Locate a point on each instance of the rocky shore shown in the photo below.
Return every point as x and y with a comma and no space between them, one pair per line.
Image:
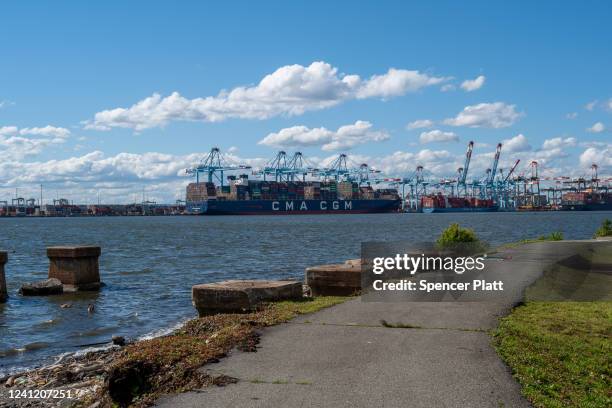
140,372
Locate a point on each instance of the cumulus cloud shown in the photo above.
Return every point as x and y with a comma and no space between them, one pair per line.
470,85
420,124
448,88
344,138
518,143
290,90
559,142
16,143
486,115
596,128
572,115
602,156
438,136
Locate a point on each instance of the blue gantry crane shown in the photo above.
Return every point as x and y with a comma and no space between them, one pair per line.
213,166
463,171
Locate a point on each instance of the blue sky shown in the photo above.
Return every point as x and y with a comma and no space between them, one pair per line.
68,65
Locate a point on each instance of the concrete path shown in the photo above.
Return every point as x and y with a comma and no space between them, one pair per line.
344,357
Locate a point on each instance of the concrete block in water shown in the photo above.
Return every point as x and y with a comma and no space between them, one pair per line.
3,291
75,266
235,296
42,288
334,280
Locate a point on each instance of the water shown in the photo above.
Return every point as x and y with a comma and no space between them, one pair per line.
150,263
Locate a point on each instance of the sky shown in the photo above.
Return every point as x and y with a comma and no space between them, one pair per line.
116,99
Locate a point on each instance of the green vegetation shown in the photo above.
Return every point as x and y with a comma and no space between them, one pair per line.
459,240
455,234
147,369
560,352
553,236
605,230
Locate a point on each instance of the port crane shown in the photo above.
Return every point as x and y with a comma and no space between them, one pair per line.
277,167
463,171
415,181
342,169
488,182
213,166
286,169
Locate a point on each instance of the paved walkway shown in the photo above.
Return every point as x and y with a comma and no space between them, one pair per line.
344,357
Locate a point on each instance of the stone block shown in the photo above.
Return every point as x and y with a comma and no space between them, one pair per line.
75,266
334,280
236,296
42,288
3,291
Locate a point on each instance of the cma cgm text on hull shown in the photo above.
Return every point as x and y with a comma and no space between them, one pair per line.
282,207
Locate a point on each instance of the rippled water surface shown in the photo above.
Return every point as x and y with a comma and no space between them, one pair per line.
150,263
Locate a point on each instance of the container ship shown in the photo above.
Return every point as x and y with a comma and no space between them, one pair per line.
440,203
586,201
253,197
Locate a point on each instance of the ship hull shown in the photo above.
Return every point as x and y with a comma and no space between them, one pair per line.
587,207
430,210
285,207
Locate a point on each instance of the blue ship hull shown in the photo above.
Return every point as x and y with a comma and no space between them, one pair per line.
283,207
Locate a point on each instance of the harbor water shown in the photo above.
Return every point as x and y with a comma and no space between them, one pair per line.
150,263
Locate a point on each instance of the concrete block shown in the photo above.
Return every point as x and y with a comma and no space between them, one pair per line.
3,291
75,266
235,296
42,288
334,280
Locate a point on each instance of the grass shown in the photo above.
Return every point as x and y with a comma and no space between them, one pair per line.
553,236
147,369
560,352
605,230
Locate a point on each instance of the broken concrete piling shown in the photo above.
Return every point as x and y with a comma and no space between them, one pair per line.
45,287
236,296
3,291
75,266
335,280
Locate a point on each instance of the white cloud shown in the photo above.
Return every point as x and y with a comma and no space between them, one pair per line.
439,136
591,105
609,105
470,85
518,143
487,115
448,88
420,124
395,82
602,156
49,131
16,144
558,142
402,163
290,90
572,115
344,138
596,128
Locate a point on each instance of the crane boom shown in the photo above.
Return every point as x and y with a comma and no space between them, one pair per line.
495,163
466,166
512,170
